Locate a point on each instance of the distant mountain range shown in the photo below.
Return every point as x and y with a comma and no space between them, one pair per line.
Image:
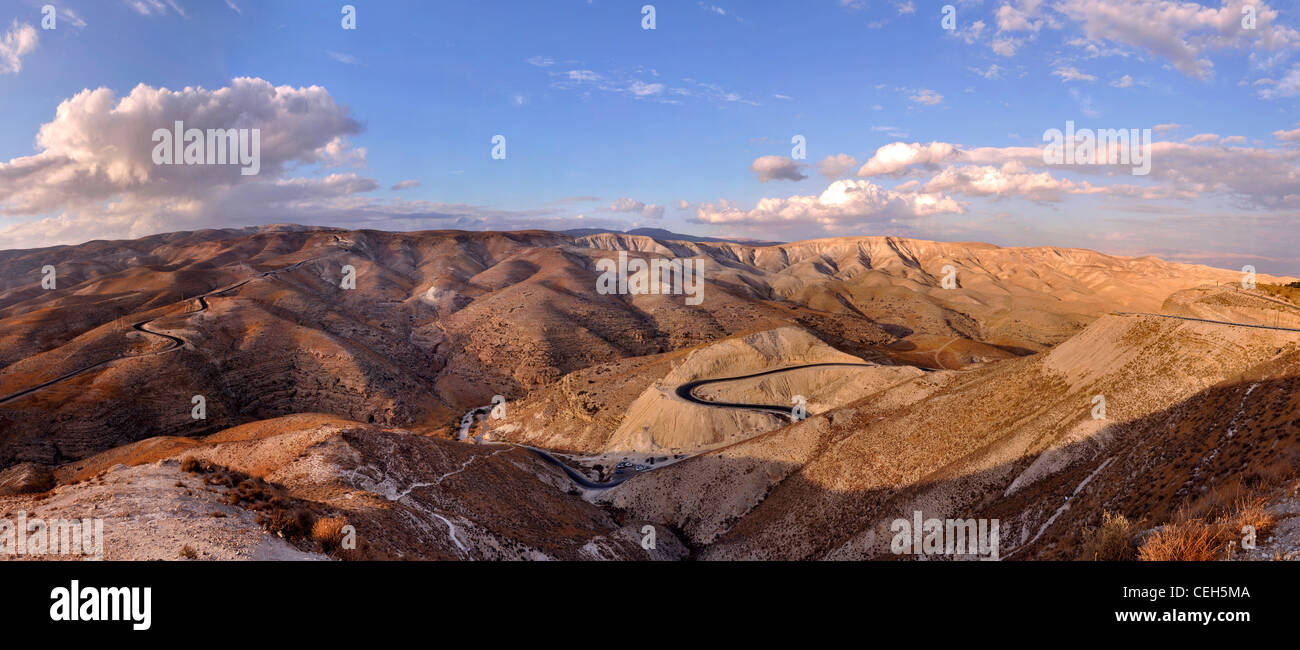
661,234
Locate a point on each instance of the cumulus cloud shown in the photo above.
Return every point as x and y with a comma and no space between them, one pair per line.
898,157
1254,177
93,174
19,41
1123,82
647,210
100,146
1010,180
834,166
844,205
775,168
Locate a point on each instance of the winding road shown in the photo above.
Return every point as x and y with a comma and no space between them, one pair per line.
687,392
1206,320
174,342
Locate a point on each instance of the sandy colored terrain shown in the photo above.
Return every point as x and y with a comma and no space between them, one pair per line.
971,401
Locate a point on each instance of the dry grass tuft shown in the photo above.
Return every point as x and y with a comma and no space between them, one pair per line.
329,532
1114,541
1189,540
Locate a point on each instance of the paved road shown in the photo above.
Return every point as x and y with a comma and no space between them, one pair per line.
1206,320
578,477
687,392
174,342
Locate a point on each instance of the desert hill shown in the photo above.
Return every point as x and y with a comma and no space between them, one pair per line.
965,399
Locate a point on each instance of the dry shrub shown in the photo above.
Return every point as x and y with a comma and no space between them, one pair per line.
1187,540
1248,512
329,532
1114,541
188,552
286,523
1198,539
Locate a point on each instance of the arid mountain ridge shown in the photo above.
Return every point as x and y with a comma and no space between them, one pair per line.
970,399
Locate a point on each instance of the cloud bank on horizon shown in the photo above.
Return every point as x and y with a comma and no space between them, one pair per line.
906,120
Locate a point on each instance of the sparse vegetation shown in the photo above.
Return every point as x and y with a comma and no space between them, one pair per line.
328,531
1115,540
1190,540
189,553
1289,292
277,512
1202,539
290,524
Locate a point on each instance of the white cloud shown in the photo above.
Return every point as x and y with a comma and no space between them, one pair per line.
925,96
1011,179
1071,73
19,41
645,90
1251,176
405,185
93,173
1288,86
1019,19
776,168
1181,32
896,158
156,7
647,210
1005,46
1288,136
834,166
342,58
1123,82
844,205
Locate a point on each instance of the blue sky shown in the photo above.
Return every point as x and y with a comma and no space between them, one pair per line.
611,125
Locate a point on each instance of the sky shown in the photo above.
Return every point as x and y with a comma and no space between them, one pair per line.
769,120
